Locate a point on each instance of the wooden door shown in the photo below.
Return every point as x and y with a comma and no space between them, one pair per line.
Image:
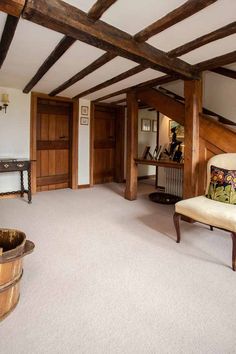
108,144
53,145
104,145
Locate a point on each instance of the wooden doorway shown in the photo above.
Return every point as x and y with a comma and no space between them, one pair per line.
54,143
107,144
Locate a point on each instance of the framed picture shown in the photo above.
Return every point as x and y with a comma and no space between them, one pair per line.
154,125
179,129
146,125
84,120
84,110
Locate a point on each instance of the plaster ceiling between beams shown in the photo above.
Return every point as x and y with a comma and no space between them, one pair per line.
32,44
215,16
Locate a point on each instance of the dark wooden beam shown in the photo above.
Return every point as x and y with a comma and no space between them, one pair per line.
99,8
193,108
119,101
225,72
7,36
60,49
105,58
62,17
146,84
132,147
203,40
12,7
122,76
186,10
163,103
213,63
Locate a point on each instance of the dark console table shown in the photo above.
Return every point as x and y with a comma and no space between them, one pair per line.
18,165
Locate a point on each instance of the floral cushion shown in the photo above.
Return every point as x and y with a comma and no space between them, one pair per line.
222,186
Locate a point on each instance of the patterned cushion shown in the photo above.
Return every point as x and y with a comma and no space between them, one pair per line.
222,186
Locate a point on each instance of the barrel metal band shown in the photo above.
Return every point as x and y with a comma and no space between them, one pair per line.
7,286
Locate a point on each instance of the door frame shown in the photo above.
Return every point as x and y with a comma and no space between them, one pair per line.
120,117
33,138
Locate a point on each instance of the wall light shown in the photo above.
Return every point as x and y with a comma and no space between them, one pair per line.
5,101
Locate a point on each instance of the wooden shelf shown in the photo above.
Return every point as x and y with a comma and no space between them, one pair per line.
160,163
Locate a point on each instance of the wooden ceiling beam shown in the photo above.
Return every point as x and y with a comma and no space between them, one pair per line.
62,17
215,35
182,12
119,101
98,9
105,58
214,63
122,76
146,84
12,7
203,40
94,14
225,72
7,36
60,49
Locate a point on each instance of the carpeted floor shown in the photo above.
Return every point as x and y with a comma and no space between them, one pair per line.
107,277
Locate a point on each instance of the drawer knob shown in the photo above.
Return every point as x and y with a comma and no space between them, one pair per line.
6,165
20,165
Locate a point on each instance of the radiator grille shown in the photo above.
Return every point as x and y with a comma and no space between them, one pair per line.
174,181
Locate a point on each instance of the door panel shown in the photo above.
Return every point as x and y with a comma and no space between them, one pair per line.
53,145
104,146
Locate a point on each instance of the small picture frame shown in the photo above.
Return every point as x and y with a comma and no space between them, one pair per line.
154,126
84,110
179,129
84,120
146,125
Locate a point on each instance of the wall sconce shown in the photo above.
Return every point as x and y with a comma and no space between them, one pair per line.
5,101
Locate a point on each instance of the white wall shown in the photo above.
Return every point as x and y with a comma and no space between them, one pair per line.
146,138
14,134
218,93
84,146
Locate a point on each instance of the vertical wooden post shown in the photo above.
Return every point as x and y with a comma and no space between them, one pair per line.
132,147
193,107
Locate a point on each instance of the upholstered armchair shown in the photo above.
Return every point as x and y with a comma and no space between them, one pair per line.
217,213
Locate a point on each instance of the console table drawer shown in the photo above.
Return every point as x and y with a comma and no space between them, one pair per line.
14,166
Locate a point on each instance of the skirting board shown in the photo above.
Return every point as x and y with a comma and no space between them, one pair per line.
82,186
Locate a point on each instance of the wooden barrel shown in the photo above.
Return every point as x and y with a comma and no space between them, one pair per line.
13,247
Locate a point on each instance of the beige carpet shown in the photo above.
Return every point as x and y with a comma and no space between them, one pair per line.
107,277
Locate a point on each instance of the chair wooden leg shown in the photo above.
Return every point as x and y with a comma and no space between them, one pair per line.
211,228
234,251
176,219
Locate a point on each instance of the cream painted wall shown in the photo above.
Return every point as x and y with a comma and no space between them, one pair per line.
84,146
218,93
146,138
14,134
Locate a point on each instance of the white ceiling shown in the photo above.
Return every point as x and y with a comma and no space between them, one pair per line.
32,44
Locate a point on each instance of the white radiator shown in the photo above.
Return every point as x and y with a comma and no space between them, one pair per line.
174,181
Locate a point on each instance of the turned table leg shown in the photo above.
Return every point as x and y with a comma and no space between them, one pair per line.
176,219
22,188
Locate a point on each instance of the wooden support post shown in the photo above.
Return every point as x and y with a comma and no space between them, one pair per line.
193,108
132,147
